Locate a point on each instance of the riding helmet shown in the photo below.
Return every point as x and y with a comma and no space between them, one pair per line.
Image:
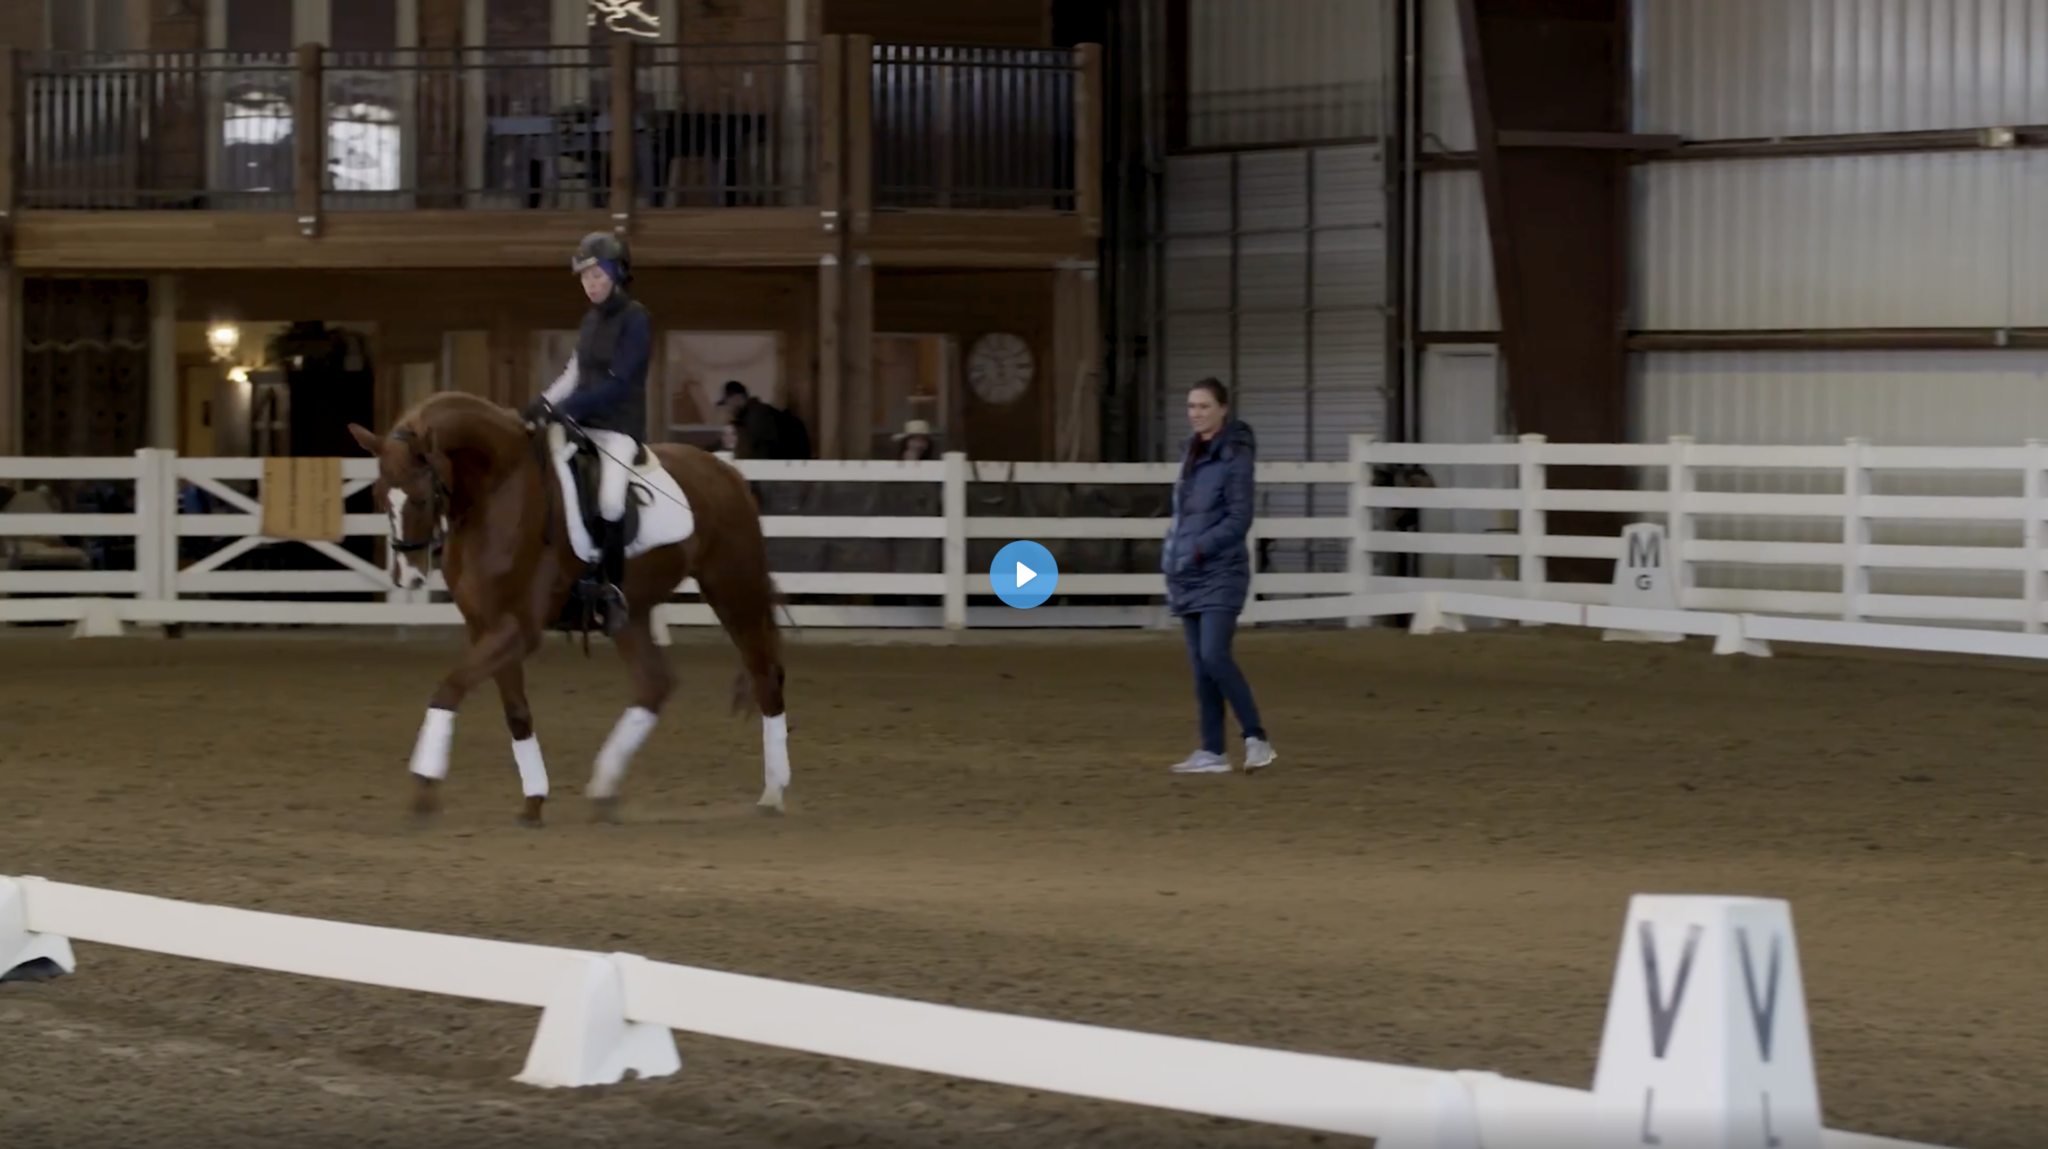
602,247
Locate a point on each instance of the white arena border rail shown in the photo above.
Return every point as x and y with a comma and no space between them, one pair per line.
1505,512
1694,1060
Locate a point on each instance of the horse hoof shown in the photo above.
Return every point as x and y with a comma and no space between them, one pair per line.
426,797
530,817
769,807
605,810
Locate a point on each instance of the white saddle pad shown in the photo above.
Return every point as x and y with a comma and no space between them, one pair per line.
665,515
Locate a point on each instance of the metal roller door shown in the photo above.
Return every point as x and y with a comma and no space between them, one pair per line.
1275,282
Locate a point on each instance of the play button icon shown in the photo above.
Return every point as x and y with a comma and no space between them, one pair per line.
1024,574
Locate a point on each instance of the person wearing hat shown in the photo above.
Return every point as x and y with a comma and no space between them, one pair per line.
604,388
914,441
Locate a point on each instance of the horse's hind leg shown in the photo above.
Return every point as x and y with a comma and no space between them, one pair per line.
651,686
765,676
533,770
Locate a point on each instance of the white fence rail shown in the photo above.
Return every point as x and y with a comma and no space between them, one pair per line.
605,1016
1853,532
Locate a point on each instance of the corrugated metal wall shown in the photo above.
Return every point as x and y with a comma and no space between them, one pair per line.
1733,69
1955,239
1274,258
1914,240
1456,253
1275,278
1291,71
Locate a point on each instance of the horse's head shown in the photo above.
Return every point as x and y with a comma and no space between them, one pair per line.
415,484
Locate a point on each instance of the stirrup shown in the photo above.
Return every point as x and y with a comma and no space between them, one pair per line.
612,602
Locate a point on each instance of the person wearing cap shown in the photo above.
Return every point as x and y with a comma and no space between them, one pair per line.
764,431
604,388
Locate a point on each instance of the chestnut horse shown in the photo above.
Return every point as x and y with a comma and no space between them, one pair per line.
469,485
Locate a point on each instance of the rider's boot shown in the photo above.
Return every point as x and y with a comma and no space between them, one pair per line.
610,592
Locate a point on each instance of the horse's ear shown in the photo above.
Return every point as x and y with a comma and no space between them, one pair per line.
367,438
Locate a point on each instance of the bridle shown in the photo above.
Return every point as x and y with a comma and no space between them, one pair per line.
438,497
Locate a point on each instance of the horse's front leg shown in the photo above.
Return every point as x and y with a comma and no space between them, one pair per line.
490,650
651,685
533,770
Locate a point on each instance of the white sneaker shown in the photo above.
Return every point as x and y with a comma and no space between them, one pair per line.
1203,762
1258,754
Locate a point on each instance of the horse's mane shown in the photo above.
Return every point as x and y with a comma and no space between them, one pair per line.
422,416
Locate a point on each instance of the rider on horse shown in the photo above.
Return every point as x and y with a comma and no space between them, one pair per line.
604,387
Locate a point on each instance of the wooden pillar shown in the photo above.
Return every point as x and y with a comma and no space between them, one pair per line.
826,434
10,360
1076,371
10,278
309,137
165,408
831,181
857,344
623,136
1088,138
860,131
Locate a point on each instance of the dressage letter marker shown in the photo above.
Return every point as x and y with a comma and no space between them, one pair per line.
1643,581
1024,574
1706,1044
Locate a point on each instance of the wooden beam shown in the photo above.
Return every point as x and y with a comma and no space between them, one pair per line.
72,241
1588,141
831,159
860,132
1088,139
623,135
163,408
10,360
309,137
11,107
826,435
1075,374
857,344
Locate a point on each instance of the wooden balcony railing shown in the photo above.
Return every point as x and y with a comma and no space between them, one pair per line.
712,125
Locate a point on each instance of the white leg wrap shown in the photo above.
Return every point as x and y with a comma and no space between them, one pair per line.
430,753
533,770
775,751
632,729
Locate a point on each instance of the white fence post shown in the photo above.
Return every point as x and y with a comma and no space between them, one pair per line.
149,525
1855,530
1531,523
2030,531
1359,562
1678,516
953,499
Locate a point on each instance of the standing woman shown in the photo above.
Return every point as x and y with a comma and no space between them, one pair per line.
1209,572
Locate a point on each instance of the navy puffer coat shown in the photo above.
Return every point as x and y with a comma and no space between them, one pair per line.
1208,567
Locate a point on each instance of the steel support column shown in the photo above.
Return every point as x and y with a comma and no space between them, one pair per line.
1549,83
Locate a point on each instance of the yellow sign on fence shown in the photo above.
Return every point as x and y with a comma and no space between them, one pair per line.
302,500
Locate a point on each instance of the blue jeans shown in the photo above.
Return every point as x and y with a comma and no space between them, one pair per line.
1217,677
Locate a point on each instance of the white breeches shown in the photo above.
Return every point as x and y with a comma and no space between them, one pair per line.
611,490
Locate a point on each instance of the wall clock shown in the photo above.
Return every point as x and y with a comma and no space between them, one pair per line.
999,368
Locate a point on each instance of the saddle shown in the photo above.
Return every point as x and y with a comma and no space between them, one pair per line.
586,468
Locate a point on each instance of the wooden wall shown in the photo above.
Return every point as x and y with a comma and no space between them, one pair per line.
1017,23
967,305
21,24
414,312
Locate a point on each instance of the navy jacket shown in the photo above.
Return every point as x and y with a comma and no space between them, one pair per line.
612,352
1208,567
